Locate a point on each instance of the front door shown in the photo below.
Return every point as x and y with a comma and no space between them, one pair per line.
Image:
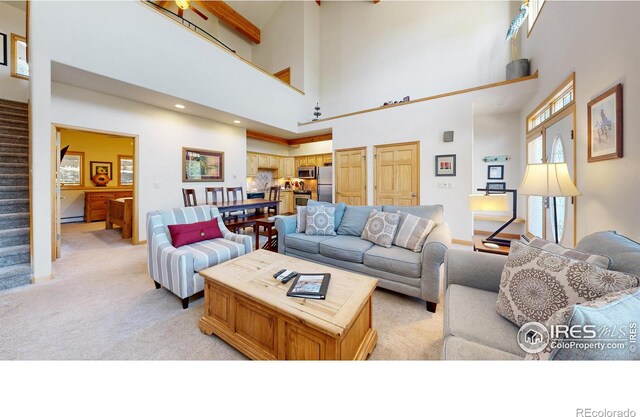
560,147
397,174
351,176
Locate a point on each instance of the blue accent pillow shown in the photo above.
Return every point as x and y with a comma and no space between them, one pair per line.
340,208
354,220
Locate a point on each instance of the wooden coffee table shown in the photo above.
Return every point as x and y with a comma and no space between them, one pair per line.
249,309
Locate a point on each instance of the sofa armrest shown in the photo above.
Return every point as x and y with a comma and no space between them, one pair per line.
246,240
433,254
171,267
285,225
474,269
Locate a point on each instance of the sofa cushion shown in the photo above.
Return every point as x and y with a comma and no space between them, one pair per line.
618,310
346,248
459,349
213,252
624,252
301,219
597,260
433,212
536,283
381,228
471,314
305,243
355,217
395,260
340,208
320,221
184,234
413,231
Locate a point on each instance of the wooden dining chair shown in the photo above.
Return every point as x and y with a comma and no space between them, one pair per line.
214,191
189,197
236,194
274,195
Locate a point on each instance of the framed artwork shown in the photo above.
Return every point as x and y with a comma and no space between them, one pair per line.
495,172
496,186
604,119
99,167
445,165
3,49
201,165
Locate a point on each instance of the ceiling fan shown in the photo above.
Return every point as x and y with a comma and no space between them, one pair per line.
184,5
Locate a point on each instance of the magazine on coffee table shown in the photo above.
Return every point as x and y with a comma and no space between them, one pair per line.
311,285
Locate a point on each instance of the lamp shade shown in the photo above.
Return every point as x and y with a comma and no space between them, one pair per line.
548,180
488,202
183,4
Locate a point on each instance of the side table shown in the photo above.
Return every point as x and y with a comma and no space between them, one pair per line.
478,246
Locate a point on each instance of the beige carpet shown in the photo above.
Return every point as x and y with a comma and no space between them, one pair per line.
103,305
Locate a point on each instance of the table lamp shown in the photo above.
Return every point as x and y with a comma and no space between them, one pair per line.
549,180
494,201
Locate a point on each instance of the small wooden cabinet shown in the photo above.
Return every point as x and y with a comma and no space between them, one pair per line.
286,202
95,202
252,165
264,161
274,162
289,169
327,159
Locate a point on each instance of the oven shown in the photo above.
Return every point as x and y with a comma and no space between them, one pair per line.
307,172
300,198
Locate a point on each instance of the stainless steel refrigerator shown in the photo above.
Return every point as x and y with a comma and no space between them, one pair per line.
325,184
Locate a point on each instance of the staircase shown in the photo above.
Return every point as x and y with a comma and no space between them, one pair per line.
15,258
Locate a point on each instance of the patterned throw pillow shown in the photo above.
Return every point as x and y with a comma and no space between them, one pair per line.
412,231
536,283
320,221
301,219
612,315
597,260
381,228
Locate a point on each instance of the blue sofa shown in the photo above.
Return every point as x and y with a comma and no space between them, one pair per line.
397,269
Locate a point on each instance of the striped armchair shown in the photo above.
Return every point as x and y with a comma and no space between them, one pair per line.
178,269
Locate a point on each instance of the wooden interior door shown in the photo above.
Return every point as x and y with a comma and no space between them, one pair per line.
351,176
397,174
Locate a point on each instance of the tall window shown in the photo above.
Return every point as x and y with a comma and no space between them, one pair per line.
534,10
125,169
19,65
71,170
535,204
557,155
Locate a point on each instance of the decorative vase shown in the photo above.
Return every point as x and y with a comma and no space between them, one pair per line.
100,180
517,69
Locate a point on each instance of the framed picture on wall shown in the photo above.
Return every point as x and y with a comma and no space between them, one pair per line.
495,172
445,165
100,167
3,49
496,186
201,165
604,120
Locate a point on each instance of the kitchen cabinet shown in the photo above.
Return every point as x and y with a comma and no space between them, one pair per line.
264,161
252,165
286,202
319,161
288,167
327,159
274,162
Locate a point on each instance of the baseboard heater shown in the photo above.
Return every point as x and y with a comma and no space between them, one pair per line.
76,219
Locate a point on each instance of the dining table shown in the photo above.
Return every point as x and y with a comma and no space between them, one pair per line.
257,204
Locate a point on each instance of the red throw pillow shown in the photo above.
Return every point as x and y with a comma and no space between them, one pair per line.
183,234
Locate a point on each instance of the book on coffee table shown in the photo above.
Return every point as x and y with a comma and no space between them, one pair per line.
310,286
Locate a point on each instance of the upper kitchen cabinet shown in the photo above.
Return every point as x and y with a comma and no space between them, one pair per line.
288,167
252,165
274,162
264,161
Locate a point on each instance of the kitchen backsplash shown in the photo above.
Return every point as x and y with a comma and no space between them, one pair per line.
263,181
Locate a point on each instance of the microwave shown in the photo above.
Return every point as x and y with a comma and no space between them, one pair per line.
307,172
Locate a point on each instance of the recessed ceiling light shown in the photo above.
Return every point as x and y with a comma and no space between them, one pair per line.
179,106
236,122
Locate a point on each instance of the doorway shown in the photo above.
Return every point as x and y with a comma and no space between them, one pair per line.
397,174
351,176
94,183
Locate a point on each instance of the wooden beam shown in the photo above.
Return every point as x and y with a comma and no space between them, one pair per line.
229,16
162,3
267,138
311,139
376,1
318,2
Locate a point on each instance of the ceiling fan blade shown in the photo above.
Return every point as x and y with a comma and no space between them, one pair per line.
180,12
198,12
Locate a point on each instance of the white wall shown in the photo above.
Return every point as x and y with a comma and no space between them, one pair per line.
161,136
371,54
254,145
598,43
496,135
12,20
313,148
282,42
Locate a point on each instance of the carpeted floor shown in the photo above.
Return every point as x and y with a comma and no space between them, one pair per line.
103,305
